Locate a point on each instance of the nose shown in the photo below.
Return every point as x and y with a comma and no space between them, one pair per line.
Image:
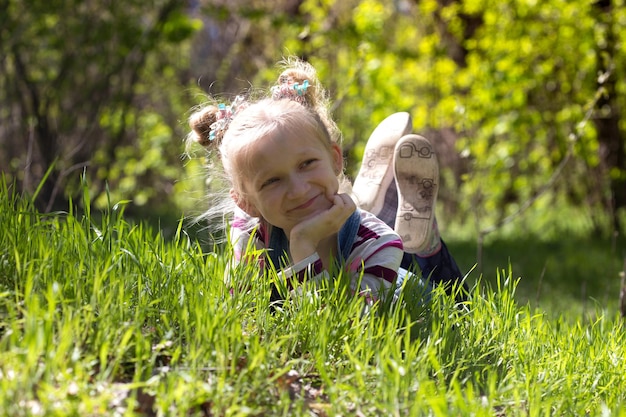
298,186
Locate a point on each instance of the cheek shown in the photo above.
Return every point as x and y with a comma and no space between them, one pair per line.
265,200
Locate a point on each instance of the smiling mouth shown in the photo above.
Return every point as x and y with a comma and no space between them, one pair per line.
305,205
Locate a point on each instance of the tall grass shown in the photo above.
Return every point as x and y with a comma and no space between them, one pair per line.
100,317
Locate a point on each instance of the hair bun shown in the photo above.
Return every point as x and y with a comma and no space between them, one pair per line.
200,123
298,81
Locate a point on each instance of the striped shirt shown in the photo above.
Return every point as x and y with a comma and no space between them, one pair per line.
373,258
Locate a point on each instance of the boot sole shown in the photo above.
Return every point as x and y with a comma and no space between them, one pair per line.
417,179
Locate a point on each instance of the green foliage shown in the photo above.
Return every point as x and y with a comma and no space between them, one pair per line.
101,317
136,165
86,83
507,89
180,27
514,81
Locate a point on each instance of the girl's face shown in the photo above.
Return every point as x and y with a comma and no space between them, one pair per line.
287,178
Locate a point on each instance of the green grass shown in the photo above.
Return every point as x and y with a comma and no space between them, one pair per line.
99,317
568,260
573,277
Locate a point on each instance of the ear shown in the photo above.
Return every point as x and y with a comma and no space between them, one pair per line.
244,204
337,157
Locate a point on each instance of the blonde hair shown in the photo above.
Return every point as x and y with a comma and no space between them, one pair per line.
296,102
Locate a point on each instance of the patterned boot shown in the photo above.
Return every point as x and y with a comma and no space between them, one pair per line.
375,175
417,180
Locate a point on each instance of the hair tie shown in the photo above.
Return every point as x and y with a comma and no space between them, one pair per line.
225,115
291,91
301,89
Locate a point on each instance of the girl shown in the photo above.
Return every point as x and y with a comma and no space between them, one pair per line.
282,159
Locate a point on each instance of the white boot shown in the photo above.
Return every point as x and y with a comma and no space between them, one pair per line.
375,174
417,179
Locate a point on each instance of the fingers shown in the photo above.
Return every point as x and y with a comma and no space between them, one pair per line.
342,200
342,208
310,232
345,203
331,220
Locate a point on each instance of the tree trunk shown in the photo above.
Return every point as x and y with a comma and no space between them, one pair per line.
607,116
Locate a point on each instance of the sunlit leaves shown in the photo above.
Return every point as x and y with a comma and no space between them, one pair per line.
369,18
517,72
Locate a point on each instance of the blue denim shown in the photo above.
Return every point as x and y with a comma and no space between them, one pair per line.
439,268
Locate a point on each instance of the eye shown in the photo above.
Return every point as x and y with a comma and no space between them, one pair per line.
268,182
308,163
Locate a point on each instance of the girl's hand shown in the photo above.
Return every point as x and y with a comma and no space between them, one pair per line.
305,238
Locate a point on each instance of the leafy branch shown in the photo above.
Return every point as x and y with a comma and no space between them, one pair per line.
574,137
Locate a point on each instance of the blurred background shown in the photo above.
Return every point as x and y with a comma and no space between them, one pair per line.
524,100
